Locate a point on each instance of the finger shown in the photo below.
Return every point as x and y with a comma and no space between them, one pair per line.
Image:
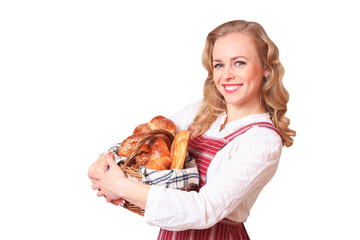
95,186
109,155
110,160
93,180
100,194
94,175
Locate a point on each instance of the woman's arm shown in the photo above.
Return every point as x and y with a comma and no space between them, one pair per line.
254,164
135,193
186,116
100,166
113,184
239,182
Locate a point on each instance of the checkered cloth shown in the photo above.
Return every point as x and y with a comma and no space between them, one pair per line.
175,178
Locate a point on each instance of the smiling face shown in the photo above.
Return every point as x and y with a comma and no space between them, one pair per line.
238,73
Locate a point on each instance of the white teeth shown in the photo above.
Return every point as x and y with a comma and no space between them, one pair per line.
231,88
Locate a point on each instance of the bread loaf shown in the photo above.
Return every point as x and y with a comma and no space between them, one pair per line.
142,128
158,122
155,153
129,143
160,163
142,159
179,149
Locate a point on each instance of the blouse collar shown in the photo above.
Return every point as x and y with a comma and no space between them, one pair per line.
233,125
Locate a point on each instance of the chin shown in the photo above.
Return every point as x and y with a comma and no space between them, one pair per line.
232,101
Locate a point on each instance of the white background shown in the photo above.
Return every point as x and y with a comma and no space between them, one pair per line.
78,75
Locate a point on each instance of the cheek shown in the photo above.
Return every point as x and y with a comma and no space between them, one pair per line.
215,75
216,78
252,74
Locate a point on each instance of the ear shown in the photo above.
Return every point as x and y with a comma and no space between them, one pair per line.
266,72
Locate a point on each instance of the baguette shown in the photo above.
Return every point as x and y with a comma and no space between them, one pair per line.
179,149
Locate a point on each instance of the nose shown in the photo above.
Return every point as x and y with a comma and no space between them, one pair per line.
229,73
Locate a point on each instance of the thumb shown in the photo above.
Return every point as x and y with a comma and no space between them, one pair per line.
110,159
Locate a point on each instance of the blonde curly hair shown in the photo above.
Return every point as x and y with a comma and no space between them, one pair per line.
274,96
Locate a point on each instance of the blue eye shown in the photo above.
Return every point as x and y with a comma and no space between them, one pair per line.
239,63
218,65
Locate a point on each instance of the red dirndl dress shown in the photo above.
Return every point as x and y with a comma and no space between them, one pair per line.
204,149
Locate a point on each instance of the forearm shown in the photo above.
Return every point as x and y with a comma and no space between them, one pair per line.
134,192
178,210
236,184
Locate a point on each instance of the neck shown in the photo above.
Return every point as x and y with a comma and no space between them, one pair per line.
235,112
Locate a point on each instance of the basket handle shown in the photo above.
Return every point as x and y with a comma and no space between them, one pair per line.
150,135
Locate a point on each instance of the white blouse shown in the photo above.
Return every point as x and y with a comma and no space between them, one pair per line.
235,177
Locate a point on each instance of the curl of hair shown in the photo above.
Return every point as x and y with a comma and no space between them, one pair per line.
274,96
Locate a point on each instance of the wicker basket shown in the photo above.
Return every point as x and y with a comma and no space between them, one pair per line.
129,167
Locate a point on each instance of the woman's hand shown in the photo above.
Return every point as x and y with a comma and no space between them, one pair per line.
107,182
99,166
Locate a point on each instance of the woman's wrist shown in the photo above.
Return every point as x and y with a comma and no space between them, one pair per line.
123,189
134,192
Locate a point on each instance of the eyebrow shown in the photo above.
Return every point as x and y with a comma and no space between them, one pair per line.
232,59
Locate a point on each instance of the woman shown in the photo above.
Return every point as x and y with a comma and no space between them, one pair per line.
239,127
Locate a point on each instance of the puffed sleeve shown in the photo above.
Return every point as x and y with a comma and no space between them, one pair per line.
186,116
253,163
